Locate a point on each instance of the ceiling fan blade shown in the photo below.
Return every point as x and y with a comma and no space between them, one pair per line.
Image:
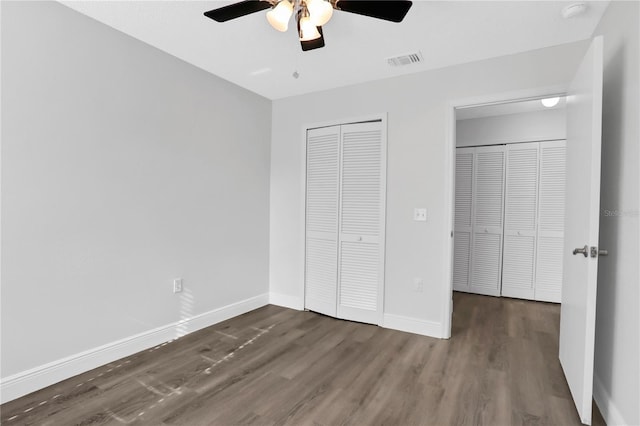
313,44
389,10
236,10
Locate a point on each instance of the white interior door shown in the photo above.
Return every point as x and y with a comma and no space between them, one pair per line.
578,309
551,197
520,221
463,218
362,222
486,258
321,248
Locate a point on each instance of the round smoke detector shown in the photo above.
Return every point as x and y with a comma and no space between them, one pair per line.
573,10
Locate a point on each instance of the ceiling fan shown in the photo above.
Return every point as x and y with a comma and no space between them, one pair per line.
311,15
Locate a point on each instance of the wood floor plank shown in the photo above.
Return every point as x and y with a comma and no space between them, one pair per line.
276,366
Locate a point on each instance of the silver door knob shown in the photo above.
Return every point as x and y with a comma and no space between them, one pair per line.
584,250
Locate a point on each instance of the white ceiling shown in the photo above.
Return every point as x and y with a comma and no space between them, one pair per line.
249,53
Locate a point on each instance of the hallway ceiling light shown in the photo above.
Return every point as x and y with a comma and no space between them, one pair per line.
550,102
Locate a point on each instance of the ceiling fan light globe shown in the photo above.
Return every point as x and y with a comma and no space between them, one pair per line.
308,30
279,16
320,11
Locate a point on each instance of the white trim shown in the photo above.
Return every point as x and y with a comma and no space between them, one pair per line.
340,121
610,413
449,214
303,215
510,96
28,381
286,301
382,238
413,325
450,147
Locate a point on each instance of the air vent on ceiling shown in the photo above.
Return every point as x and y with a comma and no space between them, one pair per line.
408,59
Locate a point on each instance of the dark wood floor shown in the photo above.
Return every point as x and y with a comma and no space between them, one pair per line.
279,366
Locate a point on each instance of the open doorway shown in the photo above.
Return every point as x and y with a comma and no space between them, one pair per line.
509,199
581,252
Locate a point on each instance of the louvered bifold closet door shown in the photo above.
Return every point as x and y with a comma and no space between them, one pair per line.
487,220
321,251
463,218
361,237
520,221
551,221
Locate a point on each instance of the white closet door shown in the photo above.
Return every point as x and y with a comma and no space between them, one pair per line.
361,236
488,220
463,218
520,221
551,221
321,255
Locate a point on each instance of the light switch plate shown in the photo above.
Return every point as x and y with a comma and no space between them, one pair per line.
420,215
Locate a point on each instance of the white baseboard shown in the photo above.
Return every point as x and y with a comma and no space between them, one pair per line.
28,381
607,408
413,325
395,322
287,301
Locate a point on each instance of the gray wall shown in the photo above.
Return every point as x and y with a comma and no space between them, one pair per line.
617,357
122,168
512,128
417,167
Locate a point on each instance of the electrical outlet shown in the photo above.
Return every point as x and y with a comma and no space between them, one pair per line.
418,284
177,285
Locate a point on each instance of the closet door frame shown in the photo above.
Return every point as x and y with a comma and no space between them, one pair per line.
382,118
